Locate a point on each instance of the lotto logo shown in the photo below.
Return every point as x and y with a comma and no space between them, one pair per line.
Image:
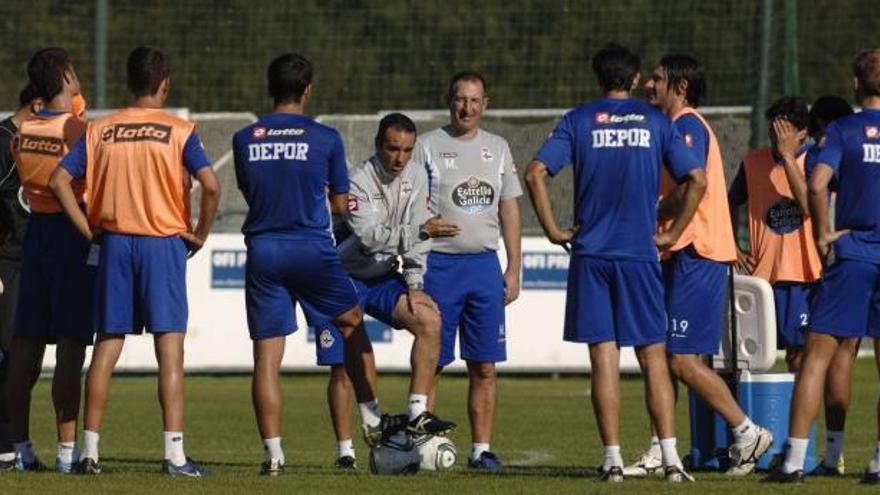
602,118
259,132
43,145
871,132
146,131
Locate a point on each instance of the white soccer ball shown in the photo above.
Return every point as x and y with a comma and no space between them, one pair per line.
437,453
396,456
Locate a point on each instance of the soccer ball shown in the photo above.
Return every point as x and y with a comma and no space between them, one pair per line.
396,456
437,453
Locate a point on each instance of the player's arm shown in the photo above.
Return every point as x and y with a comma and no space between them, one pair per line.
696,139
536,183
373,231
556,153
198,165
511,226
829,159
241,163
414,248
788,143
73,166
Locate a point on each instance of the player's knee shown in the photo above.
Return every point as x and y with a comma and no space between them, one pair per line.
679,364
338,376
429,322
348,321
481,371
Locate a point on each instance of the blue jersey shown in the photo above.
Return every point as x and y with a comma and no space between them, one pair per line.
695,136
284,165
851,147
617,148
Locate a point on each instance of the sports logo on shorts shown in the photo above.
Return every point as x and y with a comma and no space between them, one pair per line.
473,195
871,132
146,131
259,132
784,216
43,145
326,339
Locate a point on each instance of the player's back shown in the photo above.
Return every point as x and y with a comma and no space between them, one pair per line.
136,178
618,148
285,164
852,146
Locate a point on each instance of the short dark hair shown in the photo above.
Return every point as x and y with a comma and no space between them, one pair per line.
46,71
790,108
616,67
465,75
289,75
27,95
866,68
825,110
394,120
686,68
147,68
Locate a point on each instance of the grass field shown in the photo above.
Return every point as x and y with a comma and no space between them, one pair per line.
545,433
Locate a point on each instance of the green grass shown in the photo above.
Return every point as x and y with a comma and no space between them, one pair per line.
545,433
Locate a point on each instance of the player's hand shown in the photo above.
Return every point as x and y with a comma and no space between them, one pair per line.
666,239
511,286
824,242
563,237
415,297
437,227
788,138
193,243
744,262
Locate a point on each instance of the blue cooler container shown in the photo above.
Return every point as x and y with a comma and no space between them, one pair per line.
764,397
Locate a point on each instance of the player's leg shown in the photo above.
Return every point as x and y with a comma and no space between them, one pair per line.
791,304
105,354
440,283
340,400
605,397
389,301
838,394
66,396
26,359
9,275
271,318
115,317
160,284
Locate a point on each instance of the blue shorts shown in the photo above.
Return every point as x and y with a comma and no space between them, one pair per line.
696,290
614,301
56,285
792,300
282,270
845,304
141,283
377,296
469,289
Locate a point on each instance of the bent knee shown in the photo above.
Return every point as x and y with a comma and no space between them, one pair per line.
349,320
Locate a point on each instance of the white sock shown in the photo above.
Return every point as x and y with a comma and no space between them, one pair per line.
90,445
174,448
745,432
833,448
874,465
669,453
345,448
654,448
272,449
797,453
370,414
477,450
612,457
25,450
418,404
64,452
